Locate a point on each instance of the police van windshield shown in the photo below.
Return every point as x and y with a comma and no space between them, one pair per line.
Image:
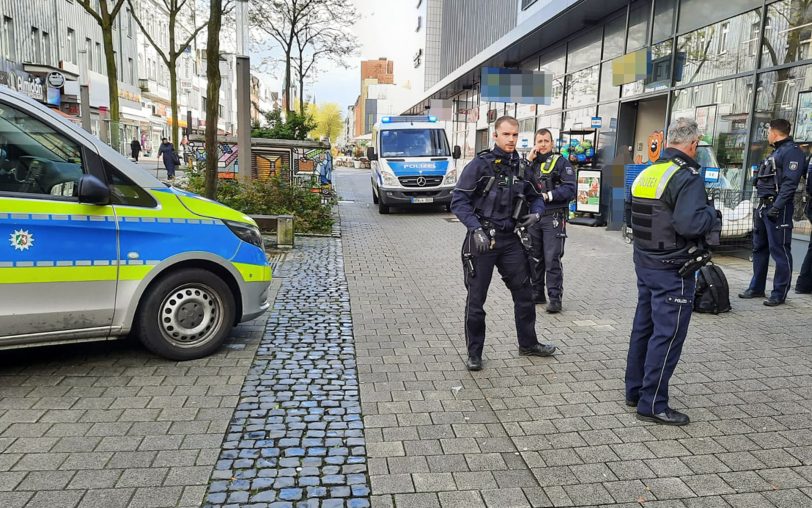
414,143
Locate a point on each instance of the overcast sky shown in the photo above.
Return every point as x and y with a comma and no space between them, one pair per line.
385,29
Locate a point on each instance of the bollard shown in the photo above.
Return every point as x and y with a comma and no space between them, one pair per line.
284,231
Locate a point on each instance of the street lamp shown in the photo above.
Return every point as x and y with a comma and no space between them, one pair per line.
242,27
243,68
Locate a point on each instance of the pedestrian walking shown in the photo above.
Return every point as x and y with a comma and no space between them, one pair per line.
170,158
488,200
776,182
555,182
670,218
135,148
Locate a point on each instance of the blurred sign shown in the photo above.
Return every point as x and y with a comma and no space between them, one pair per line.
711,175
631,67
515,85
596,122
55,79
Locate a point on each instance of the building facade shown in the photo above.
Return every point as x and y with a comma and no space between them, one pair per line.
59,36
731,65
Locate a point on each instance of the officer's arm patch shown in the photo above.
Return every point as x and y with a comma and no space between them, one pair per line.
569,170
793,166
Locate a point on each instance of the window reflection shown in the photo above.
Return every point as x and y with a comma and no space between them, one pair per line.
582,87
787,33
718,50
585,50
614,39
637,36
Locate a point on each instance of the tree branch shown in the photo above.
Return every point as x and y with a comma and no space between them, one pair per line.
86,5
146,33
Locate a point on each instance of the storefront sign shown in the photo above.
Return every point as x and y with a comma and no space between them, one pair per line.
130,96
54,96
55,80
28,86
596,122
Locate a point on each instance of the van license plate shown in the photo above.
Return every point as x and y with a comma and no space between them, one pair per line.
422,200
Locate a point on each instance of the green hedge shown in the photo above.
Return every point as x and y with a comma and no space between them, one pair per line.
274,196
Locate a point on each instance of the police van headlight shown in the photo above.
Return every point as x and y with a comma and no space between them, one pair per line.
450,177
245,232
389,179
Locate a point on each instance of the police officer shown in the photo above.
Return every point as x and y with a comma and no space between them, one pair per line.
670,218
803,284
555,181
487,198
776,181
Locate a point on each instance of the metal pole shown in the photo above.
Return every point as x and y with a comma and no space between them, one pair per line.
244,118
84,104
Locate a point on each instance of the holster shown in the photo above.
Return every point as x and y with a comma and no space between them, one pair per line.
699,258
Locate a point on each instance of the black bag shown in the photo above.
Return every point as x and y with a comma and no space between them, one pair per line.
175,158
712,292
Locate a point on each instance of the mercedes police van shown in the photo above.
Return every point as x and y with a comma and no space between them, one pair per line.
92,247
411,163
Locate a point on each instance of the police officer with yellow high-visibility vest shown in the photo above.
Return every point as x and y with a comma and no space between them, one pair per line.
670,218
555,181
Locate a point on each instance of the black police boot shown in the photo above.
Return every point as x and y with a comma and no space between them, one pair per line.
803,291
537,350
474,363
773,302
747,295
667,417
538,297
554,307
632,402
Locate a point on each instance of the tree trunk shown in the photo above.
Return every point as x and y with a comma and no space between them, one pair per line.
112,86
287,82
173,98
301,95
213,95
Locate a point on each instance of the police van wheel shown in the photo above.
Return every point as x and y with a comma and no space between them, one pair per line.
186,315
382,208
374,197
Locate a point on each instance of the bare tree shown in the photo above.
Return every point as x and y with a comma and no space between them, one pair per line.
322,20
319,40
218,9
179,42
105,16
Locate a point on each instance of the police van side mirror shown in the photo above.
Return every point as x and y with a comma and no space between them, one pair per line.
93,191
456,153
371,155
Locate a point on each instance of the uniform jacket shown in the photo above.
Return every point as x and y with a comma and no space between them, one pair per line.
692,216
564,177
467,203
788,161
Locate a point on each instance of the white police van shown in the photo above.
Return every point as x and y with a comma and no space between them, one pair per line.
411,162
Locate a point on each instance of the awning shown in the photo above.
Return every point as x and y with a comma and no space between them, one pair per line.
181,122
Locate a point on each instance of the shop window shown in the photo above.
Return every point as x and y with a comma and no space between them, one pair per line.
582,87
607,90
607,133
579,118
787,33
552,122
721,109
697,13
659,76
614,39
637,34
664,17
585,50
717,50
554,63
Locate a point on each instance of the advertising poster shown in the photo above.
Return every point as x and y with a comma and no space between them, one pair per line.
803,124
588,198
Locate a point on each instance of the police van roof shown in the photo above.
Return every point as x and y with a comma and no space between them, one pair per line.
408,121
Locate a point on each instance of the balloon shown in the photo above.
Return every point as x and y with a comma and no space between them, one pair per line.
579,149
581,157
589,152
574,142
586,143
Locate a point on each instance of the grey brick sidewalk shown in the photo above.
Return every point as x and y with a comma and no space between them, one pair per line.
555,431
108,424
297,435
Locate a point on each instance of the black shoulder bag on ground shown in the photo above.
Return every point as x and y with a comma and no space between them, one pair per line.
712,292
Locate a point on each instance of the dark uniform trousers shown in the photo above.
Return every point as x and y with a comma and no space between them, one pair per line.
772,238
547,237
664,306
804,282
509,258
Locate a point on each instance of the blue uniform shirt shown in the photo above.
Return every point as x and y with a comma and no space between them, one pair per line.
465,197
788,162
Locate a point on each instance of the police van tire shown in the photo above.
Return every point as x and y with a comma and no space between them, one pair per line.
187,315
374,197
382,208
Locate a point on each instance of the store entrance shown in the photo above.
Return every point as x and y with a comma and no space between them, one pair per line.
639,123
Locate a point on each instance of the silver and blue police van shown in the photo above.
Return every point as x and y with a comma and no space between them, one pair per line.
411,163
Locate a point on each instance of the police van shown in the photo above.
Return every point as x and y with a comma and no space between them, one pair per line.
411,163
92,247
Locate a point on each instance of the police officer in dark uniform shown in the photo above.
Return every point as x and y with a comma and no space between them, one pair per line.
555,181
803,284
670,218
776,181
488,200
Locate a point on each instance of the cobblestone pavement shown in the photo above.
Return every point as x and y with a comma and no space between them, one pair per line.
297,435
108,424
555,431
